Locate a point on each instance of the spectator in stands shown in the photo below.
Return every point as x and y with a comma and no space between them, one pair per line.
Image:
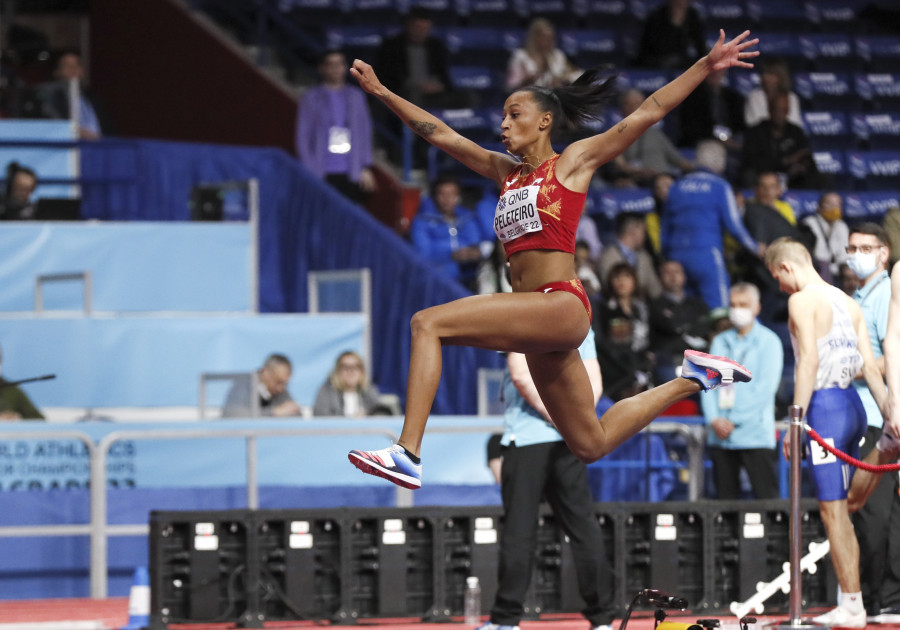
701,205
540,62
847,280
774,79
780,146
891,224
57,105
588,233
347,392
678,321
334,130
631,234
741,421
21,183
274,399
868,255
713,110
15,403
624,340
586,271
660,186
415,63
767,218
651,154
537,464
673,36
831,234
447,235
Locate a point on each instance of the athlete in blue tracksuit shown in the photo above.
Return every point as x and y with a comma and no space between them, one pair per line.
700,206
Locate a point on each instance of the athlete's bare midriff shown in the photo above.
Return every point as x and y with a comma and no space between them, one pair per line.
534,268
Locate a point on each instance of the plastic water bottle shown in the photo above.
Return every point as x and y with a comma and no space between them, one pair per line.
472,601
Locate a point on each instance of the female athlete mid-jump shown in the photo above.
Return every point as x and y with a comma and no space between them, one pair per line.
548,314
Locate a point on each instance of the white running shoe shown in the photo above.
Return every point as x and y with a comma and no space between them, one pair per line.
492,626
391,463
842,618
710,371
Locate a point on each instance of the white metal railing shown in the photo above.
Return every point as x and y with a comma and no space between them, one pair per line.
100,530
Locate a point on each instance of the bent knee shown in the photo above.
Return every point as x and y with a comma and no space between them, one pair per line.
590,451
422,323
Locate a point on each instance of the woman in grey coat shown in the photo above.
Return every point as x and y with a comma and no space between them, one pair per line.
347,391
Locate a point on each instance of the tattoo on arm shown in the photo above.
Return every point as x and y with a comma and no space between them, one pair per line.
655,101
622,127
422,128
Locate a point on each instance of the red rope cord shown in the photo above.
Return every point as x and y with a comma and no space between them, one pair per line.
850,460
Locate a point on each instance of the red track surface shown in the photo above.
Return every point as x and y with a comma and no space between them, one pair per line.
113,613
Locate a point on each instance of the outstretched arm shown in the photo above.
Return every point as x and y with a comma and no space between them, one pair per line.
578,162
490,164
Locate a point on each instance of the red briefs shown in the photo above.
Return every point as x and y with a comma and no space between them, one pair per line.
569,286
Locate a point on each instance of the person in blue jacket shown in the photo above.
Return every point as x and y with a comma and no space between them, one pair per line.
447,235
701,205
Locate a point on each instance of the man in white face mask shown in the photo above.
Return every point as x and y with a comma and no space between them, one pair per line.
741,422
867,256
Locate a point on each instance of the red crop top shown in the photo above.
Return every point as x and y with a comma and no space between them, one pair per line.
535,211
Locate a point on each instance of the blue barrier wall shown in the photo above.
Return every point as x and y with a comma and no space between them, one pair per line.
48,163
157,361
304,226
135,266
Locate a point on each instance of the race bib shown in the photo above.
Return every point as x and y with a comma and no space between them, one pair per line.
338,140
517,213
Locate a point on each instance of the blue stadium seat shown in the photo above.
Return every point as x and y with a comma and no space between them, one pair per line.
777,44
374,12
730,15
778,15
834,164
870,206
443,12
355,41
316,12
879,91
875,170
587,48
480,125
827,130
832,16
611,201
559,12
804,202
497,13
647,81
881,54
614,14
478,45
825,90
878,131
476,78
831,52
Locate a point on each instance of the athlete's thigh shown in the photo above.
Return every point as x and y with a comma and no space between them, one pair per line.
565,389
833,416
510,322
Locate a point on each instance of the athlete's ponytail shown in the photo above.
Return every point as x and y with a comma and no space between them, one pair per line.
577,103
